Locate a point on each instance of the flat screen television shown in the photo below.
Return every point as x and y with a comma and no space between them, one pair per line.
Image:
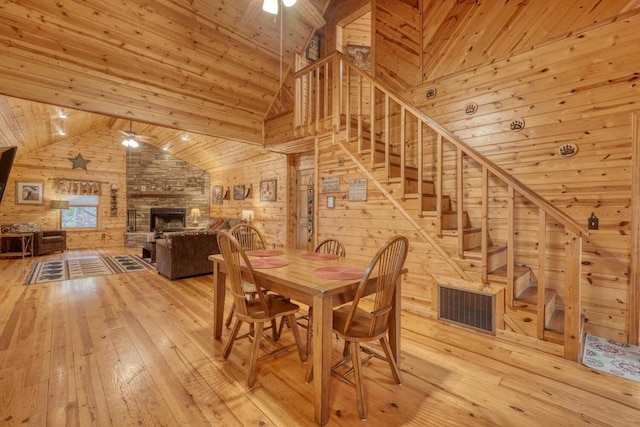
7,154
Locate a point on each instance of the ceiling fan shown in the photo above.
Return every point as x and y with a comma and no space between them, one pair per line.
132,138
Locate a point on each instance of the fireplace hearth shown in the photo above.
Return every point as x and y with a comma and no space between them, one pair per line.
167,219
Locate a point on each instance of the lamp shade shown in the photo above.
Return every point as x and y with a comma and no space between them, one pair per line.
195,214
59,204
270,6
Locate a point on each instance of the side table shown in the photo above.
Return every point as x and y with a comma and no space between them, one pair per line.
149,250
26,245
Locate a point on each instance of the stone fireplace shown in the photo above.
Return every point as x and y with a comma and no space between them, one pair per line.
157,181
167,219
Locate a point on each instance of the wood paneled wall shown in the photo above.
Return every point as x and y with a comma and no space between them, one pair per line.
248,165
364,226
579,89
107,164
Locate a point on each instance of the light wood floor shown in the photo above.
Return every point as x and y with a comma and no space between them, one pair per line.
136,349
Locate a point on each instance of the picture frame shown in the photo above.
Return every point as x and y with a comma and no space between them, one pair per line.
217,194
238,192
313,49
269,190
360,56
29,193
331,202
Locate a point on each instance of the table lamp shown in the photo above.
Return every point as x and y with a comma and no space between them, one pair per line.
195,214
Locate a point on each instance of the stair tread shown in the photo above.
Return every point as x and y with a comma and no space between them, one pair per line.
530,295
518,270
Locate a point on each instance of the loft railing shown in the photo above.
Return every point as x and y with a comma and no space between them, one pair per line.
333,95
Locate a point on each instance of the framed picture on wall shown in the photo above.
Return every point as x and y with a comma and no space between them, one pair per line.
360,56
268,190
238,192
29,193
216,194
313,50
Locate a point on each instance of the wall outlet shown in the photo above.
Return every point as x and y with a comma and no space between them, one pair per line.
104,235
593,222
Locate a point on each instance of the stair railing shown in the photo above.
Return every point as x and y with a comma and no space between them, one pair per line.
324,92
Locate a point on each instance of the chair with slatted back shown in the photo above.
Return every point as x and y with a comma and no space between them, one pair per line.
250,239
357,325
328,246
255,309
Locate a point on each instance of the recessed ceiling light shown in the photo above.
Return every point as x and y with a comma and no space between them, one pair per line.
184,137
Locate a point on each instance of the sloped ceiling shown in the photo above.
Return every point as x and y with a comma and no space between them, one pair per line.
208,68
203,66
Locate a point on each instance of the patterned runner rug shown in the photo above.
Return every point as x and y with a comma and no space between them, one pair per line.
622,360
51,271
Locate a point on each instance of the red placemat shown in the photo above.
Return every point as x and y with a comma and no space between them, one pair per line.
319,256
269,262
265,252
339,273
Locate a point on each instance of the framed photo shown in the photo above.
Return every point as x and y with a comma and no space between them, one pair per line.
268,190
331,202
360,56
313,50
216,194
29,193
238,192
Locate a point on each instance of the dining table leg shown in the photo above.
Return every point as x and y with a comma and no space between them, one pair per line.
219,289
322,329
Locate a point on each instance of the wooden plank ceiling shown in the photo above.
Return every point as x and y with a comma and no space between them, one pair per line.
210,68
202,66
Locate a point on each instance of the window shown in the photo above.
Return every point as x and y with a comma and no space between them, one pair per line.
82,212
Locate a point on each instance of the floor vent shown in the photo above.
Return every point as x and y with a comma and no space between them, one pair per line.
467,307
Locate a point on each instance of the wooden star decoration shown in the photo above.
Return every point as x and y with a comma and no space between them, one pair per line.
79,162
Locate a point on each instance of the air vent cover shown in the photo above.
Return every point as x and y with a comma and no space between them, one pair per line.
467,307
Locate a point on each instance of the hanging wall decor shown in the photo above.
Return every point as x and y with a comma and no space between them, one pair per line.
268,190
216,194
79,162
567,150
517,125
471,108
238,192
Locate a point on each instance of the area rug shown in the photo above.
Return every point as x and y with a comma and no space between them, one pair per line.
51,271
622,360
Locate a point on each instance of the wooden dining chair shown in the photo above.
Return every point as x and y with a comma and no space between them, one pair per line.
250,239
357,325
328,246
255,310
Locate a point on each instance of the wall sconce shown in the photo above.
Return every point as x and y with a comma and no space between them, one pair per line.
195,214
247,215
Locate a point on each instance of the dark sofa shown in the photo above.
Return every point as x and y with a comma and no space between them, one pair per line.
183,255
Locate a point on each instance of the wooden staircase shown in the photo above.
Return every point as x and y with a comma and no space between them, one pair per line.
478,239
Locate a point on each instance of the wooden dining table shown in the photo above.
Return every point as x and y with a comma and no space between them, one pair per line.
298,281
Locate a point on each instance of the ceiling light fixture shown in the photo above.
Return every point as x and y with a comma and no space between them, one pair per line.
271,6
